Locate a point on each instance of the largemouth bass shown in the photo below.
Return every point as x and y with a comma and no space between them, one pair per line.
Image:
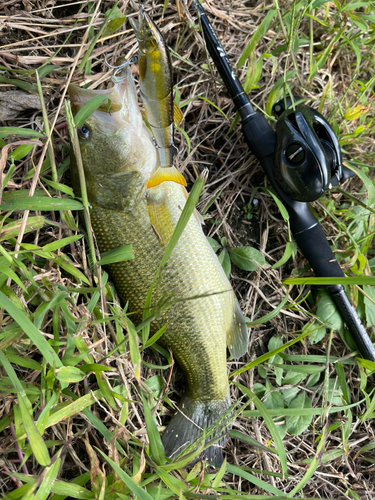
119,157
156,88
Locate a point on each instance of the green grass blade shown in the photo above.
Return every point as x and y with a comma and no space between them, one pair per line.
56,245
71,269
180,226
139,492
7,271
238,471
174,484
155,337
47,479
12,229
60,487
35,439
21,151
88,109
300,368
12,376
19,83
31,364
279,203
270,315
269,355
220,474
186,137
109,16
59,187
314,464
270,425
78,481
157,452
290,250
214,105
73,408
30,330
20,132
257,35
43,417
277,90
135,355
252,442
20,492
185,460
185,216
119,254
367,182
285,412
42,203
322,60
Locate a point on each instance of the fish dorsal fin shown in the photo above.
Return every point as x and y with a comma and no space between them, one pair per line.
177,115
160,218
237,333
166,174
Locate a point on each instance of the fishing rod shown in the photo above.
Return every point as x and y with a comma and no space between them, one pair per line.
296,142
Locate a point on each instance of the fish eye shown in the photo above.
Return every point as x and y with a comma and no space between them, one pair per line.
83,132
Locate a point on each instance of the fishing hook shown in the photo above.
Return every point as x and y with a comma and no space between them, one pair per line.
118,69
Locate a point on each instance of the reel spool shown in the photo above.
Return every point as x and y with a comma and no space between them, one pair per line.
307,158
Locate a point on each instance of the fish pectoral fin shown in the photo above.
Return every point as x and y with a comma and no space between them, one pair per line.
166,174
177,115
160,218
237,334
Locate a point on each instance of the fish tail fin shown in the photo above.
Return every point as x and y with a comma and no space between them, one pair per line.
188,423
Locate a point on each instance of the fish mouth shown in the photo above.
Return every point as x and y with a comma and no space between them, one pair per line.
120,108
79,97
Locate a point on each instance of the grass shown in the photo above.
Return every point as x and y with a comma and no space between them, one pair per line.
82,402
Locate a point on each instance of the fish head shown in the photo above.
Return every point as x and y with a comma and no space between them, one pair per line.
114,138
148,36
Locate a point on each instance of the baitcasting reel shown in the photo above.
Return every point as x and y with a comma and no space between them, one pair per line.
307,154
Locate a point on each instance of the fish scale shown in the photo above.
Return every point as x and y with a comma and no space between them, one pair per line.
118,158
197,322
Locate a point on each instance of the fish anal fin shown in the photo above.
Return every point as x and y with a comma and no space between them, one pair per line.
166,174
177,115
237,334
